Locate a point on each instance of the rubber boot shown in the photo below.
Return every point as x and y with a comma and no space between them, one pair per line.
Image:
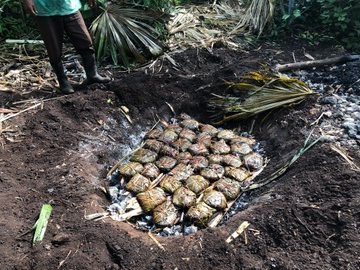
92,75
65,86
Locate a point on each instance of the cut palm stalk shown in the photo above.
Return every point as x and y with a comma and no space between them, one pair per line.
238,232
41,224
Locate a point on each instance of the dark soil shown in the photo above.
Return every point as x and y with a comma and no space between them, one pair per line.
308,219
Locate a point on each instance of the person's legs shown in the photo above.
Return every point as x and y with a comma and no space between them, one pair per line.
52,32
80,37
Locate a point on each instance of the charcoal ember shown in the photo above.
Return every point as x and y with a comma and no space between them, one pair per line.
144,156
182,171
188,134
220,147
239,174
150,171
181,144
241,139
197,183
175,127
200,214
184,197
215,159
151,198
169,183
198,149
184,157
167,150
199,162
232,160
166,163
229,187
226,134
209,129
153,134
190,123
165,214
130,169
240,149
254,161
168,136
215,199
213,172
205,139
138,183
153,145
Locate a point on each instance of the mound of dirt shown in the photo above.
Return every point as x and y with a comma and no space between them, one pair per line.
307,219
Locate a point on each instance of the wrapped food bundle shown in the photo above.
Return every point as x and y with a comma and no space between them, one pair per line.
230,188
165,214
182,172
188,168
151,198
199,162
213,172
188,134
231,160
130,169
215,199
239,174
138,183
153,145
199,149
150,171
197,183
220,147
170,184
168,136
144,156
240,149
200,213
253,161
209,129
167,150
184,197
166,163
182,144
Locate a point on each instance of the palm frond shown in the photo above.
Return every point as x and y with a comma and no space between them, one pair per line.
259,92
121,33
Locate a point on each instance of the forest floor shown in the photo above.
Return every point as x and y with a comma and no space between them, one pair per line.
61,151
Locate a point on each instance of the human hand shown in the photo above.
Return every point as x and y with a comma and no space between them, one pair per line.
30,7
92,3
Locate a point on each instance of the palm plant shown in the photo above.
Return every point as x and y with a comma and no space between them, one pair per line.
122,33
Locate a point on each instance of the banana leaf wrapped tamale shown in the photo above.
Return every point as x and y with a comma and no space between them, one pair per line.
153,134
184,197
188,134
208,129
144,156
168,136
232,160
199,149
213,172
215,199
170,184
197,183
166,163
153,145
181,144
199,162
240,149
230,188
130,169
190,124
138,183
167,150
200,213
182,172
239,174
150,171
184,157
220,147
165,214
215,158
253,161
151,198
226,134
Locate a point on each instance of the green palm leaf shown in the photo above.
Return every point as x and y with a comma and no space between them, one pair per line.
122,34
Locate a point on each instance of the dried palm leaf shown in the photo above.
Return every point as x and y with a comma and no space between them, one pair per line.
259,92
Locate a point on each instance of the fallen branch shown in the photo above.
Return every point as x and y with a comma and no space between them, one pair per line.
317,63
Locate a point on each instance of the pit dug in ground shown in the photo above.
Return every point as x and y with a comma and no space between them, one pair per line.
185,175
61,151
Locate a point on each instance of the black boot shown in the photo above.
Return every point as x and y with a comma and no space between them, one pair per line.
92,75
65,86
